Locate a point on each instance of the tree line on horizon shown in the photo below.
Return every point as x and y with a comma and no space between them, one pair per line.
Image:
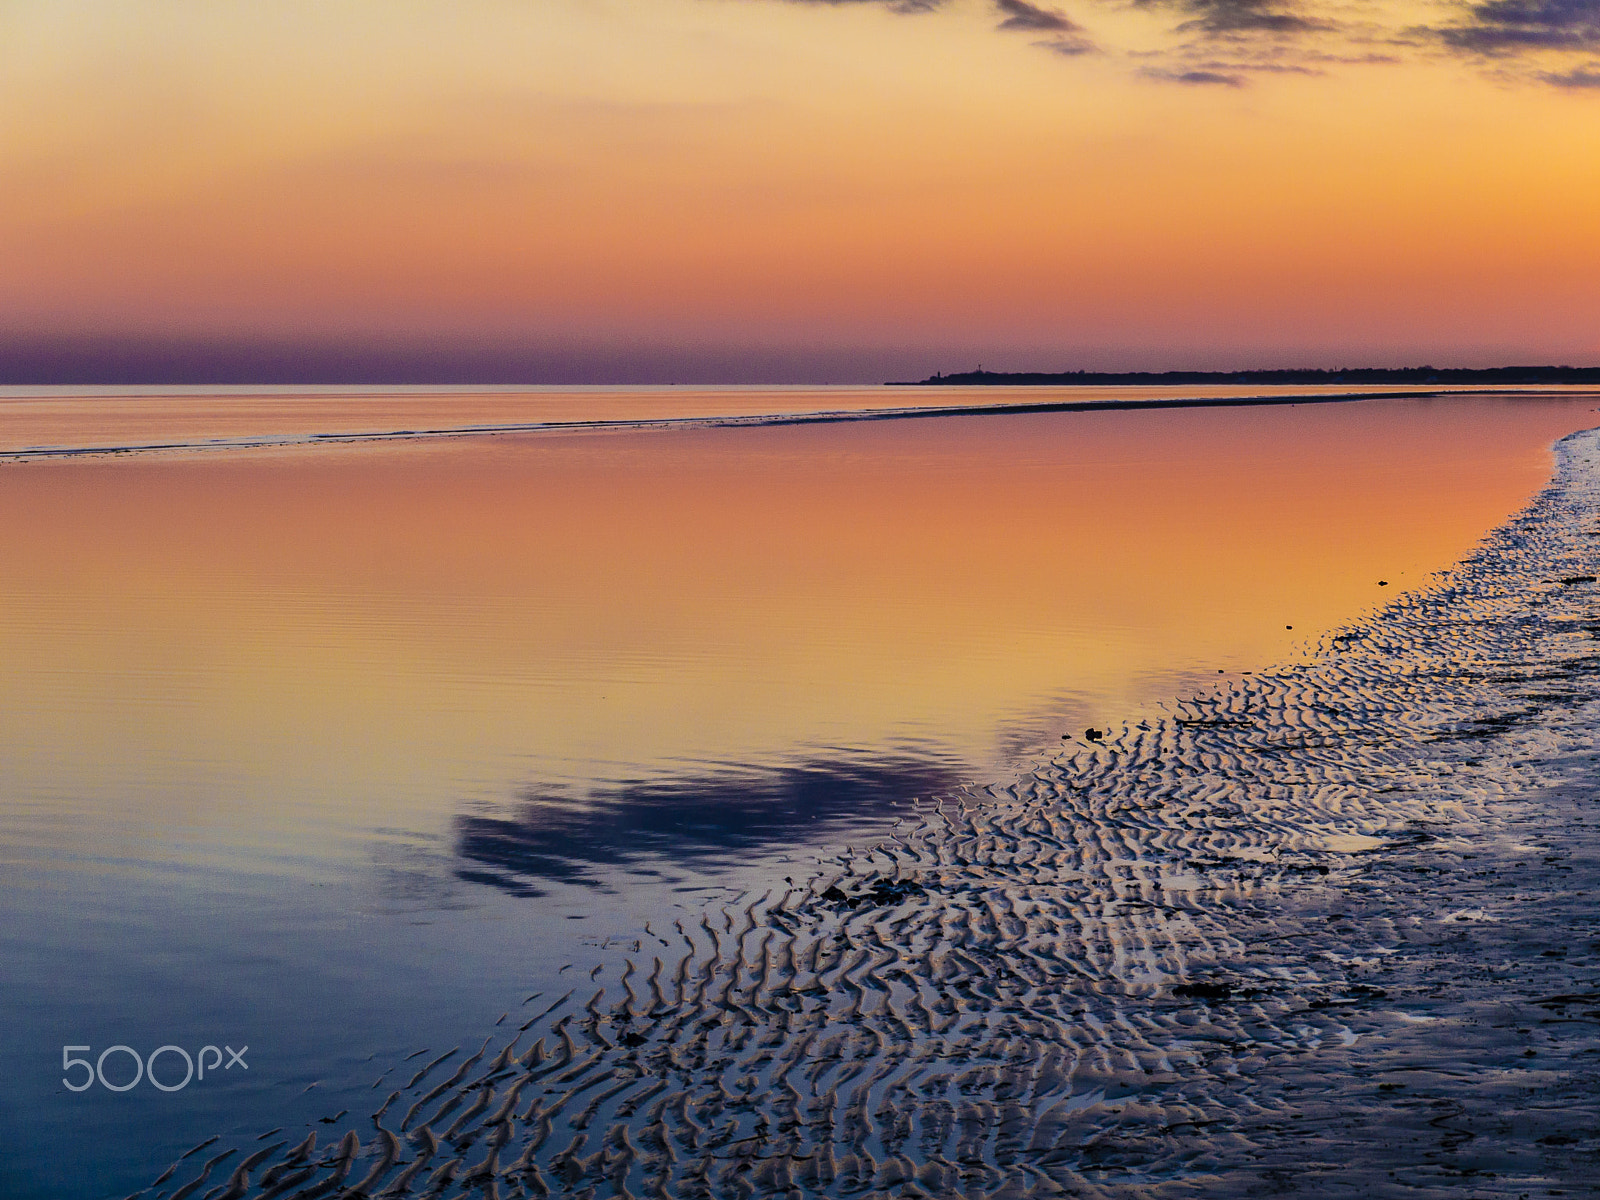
1409,375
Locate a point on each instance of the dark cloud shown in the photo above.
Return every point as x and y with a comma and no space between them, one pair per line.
908,7
1068,45
1197,78
1578,77
1525,39
1260,68
1235,18
1019,14
1502,27
1367,59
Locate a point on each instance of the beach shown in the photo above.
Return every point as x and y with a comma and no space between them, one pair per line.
977,802
799,599
1323,930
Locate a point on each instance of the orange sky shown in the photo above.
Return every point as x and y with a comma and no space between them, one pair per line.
763,188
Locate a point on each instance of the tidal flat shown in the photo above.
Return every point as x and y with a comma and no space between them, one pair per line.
1318,918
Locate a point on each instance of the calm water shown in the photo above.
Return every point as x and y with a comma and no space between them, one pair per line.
340,752
54,418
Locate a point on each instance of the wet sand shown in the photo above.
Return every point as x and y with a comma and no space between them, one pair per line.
1329,930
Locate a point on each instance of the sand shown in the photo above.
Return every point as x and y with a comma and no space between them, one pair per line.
1328,931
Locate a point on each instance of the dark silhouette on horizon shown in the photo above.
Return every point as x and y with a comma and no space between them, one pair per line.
1291,376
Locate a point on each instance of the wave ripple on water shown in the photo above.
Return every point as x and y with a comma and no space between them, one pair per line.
1327,929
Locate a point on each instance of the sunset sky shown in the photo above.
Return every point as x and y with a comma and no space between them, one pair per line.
773,190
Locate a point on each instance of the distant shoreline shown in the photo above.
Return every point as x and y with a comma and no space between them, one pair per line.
1368,375
730,421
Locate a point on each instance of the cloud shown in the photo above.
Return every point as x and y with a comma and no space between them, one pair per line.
1550,42
1233,18
1578,77
1369,58
1260,68
1022,15
1501,27
1068,45
908,7
1196,78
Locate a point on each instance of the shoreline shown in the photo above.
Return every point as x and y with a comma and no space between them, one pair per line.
761,420
1256,944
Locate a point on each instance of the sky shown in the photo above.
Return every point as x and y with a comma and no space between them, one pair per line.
568,191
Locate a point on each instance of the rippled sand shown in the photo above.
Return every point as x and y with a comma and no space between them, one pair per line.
1331,931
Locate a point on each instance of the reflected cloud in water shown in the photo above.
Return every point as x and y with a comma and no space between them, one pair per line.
692,822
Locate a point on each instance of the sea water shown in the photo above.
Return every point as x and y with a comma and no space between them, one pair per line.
333,754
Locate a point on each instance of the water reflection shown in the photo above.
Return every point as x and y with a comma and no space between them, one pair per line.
268,721
651,827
